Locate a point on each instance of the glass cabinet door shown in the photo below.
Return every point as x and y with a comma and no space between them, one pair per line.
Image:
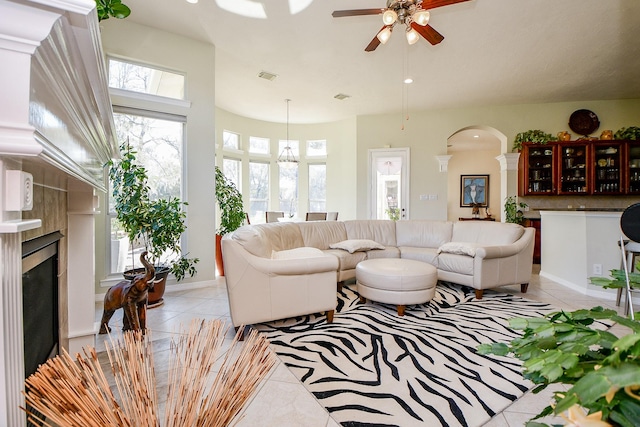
607,160
539,171
573,168
633,155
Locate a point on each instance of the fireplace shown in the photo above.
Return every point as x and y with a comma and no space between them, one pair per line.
40,300
56,133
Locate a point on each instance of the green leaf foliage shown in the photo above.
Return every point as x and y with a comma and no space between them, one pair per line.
573,348
115,8
535,135
232,214
158,224
631,133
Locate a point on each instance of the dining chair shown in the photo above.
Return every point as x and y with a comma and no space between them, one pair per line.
316,216
272,216
332,216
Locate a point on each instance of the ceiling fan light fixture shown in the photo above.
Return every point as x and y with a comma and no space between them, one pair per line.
412,36
421,17
384,35
389,17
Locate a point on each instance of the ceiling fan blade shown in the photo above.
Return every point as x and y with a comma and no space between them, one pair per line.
432,4
375,42
429,33
356,12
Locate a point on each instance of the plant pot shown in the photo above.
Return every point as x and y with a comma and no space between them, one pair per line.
219,262
156,294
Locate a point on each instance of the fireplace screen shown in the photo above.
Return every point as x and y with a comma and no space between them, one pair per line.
40,300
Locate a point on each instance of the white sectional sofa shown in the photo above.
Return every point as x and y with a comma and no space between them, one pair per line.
279,270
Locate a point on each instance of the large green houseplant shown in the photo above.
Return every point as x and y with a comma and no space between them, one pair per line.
155,224
232,214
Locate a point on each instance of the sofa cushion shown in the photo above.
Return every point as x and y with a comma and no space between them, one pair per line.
378,230
429,255
262,239
486,233
459,248
423,233
320,234
460,264
356,245
297,253
347,261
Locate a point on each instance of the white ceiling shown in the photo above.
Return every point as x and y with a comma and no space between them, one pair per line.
495,52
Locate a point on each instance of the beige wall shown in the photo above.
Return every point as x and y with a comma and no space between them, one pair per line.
473,163
426,134
197,59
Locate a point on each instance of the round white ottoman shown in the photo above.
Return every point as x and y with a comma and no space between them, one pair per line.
396,281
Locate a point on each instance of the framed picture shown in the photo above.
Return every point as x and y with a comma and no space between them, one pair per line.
474,190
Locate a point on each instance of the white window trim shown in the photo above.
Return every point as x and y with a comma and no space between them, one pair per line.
133,98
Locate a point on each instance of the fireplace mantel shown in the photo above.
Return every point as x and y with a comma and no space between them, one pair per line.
56,122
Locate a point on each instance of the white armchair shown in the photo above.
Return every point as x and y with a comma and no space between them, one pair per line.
264,289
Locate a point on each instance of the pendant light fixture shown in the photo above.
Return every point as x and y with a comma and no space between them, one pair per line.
287,158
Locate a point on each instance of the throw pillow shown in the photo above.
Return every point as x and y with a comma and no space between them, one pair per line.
296,253
356,245
458,248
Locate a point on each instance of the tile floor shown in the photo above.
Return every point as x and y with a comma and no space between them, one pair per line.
281,400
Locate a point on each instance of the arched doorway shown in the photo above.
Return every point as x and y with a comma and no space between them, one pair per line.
473,151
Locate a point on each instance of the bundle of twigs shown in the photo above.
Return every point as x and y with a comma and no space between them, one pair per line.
77,393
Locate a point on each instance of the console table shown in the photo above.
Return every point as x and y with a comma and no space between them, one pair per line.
476,219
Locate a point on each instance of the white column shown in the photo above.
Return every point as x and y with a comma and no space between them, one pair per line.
80,328
508,178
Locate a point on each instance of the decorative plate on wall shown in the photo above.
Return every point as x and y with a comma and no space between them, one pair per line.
584,122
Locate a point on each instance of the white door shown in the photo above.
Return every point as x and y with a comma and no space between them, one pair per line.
389,183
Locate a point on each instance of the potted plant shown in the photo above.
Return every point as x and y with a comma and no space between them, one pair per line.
537,136
602,371
155,224
232,213
513,210
631,133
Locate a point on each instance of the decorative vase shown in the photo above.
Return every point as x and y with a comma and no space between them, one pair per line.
219,263
606,135
564,136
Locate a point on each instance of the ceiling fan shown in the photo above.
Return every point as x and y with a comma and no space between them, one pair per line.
414,14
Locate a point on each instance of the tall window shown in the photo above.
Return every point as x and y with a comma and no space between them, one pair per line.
288,195
159,144
157,137
258,191
318,187
230,140
231,169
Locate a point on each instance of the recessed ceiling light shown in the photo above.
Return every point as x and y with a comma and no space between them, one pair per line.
476,136
267,75
342,96
192,1
408,80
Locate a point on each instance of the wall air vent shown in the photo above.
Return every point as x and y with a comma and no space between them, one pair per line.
342,96
267,75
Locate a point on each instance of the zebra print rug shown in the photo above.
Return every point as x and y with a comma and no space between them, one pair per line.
371,367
